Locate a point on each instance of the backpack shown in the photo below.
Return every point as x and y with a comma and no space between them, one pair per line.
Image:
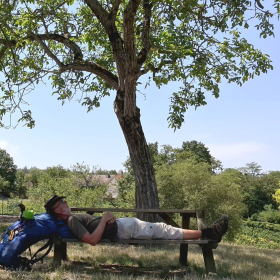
26,232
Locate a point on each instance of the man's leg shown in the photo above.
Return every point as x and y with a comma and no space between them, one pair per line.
214,231
191,234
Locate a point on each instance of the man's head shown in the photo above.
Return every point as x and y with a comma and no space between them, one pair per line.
57,206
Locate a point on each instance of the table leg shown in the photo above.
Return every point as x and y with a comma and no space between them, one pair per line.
184,247
60,253
208,259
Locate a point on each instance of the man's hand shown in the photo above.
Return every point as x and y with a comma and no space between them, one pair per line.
109,218
95,237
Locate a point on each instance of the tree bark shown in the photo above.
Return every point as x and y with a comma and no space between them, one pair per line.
146,195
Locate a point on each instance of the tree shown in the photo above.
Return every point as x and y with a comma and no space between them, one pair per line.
251,168
198,149
57,172
4,187
192,185
97,47
34,175
8,172
21,184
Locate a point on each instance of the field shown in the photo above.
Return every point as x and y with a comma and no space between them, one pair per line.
137,262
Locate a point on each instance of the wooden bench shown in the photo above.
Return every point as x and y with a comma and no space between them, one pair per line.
60,245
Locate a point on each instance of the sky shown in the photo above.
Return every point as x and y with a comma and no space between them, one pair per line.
239,127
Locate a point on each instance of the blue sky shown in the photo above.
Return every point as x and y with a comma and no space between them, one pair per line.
239,127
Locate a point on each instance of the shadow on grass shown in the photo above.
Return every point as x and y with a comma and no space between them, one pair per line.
128,270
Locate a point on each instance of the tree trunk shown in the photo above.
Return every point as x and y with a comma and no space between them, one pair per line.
146,194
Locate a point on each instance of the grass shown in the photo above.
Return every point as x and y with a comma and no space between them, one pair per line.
154,262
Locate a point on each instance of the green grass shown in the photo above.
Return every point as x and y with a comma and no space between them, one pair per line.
154,262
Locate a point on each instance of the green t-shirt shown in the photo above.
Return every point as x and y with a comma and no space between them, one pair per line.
79,224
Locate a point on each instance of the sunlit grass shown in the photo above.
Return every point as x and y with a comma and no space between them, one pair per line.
154,262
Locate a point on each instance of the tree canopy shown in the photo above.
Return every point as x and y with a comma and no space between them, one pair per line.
90,47
96,47
8,172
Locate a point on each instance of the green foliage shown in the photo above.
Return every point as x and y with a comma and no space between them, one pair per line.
259,191
21,184
34,175
198,149
57,172
8,172
269,215
259,234
4,187
192,185
67,186
197,44
126,189
9,206
251,168
276,196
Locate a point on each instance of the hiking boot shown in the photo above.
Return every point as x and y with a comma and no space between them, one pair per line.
219,228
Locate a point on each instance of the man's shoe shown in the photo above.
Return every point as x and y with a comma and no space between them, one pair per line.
219,228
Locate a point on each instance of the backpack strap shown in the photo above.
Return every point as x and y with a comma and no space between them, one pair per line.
48,244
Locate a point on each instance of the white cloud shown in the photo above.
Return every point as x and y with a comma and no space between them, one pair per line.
234,151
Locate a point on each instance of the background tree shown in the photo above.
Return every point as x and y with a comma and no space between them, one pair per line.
258,189
98,46
57,171
21,184
198,149
252,169
192,185
4,187
8,172
34,175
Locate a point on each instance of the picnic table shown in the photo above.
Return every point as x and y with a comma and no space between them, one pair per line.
60,248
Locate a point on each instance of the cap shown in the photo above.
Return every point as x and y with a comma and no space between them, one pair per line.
52,201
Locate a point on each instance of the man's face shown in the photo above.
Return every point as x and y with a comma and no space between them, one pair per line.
61,208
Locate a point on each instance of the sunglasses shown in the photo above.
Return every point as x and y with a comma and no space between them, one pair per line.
61,201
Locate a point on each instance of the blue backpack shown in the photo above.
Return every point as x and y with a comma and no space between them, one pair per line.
24,233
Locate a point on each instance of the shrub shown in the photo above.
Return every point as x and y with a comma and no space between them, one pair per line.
191,185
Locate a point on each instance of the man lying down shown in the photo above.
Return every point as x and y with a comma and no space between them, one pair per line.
90,229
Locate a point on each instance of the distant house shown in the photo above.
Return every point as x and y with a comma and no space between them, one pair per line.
111,181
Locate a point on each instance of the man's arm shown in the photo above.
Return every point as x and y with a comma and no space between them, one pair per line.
95,237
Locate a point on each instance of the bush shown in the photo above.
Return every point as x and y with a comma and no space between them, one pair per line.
191,185
259,234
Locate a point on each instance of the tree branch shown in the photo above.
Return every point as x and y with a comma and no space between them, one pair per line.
78,55
99,12
94,68
47,50
142,55
151,67
2,52
114,37
114,10
128,31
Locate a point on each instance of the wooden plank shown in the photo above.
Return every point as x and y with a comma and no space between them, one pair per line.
168,219
143,241
192,213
